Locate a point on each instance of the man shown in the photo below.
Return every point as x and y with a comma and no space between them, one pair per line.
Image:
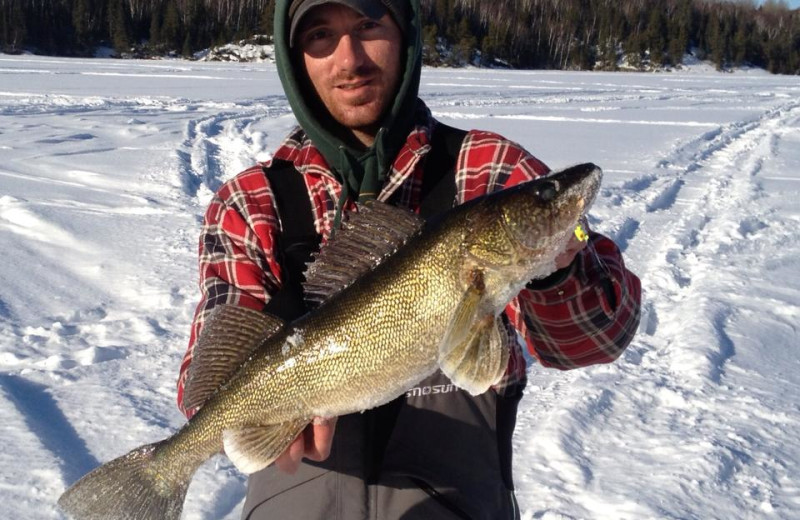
351,70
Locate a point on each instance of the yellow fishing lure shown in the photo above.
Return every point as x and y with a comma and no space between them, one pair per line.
581,233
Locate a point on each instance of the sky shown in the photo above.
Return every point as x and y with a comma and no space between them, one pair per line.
793,4
108,165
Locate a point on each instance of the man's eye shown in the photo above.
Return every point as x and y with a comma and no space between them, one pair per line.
369,25
316,34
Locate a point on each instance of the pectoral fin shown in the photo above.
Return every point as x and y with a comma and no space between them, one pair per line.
254,448
473,353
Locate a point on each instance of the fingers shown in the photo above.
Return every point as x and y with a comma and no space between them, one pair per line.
574,246
319,438
313,443
289,460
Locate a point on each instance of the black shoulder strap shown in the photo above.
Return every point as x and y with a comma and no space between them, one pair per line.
298,239
439,178
290,191
437,196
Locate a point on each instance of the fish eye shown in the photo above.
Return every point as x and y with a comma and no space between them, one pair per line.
547,192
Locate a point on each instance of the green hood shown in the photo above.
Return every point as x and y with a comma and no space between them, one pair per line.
361,172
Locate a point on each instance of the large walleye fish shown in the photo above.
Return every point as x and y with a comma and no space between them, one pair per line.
397,300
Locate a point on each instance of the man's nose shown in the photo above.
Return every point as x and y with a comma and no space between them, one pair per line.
349,52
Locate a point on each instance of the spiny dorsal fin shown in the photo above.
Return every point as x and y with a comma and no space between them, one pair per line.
230,334
365,240
253,448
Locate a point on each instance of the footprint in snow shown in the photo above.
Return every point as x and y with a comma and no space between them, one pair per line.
84,357
67,139
751,226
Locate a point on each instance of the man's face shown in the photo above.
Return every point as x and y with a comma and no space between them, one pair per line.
353,63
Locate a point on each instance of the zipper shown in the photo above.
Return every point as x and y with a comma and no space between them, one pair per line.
438,497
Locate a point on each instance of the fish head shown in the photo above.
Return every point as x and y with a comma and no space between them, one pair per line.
543,213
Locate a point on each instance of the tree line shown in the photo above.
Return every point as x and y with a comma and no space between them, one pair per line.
542,34
603,34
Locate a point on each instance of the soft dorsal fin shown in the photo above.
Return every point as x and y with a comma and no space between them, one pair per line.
230,334
365,240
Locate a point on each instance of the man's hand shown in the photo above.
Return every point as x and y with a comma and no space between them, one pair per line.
313,443
574,246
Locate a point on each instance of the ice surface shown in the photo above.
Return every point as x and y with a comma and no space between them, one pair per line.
106,169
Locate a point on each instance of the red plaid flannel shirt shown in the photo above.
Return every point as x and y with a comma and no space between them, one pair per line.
588,318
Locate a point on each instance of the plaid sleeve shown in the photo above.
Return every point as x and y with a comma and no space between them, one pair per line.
592,314
588,318
236,256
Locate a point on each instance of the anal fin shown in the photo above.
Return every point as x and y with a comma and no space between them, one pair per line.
253,448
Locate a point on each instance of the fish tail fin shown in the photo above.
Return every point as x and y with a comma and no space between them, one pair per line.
134,486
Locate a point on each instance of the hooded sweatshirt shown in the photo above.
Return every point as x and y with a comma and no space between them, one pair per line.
361,172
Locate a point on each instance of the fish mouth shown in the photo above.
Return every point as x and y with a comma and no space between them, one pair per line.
583,181
572,176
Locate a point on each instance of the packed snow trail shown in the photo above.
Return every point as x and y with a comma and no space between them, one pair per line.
106,169
703,219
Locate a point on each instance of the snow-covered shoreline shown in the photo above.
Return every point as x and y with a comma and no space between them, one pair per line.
107,166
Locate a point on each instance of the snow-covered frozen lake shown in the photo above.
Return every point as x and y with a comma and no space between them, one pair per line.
106,167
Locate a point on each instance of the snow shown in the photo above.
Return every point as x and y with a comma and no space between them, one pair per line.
243,51
107,166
